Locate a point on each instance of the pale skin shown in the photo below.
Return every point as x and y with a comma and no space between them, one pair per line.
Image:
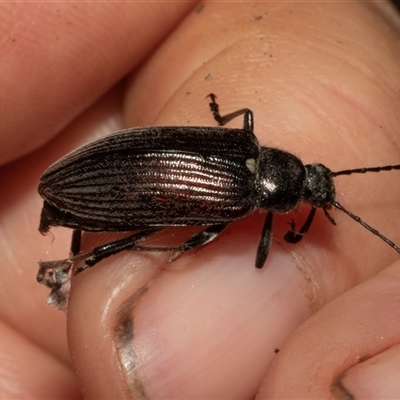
322,80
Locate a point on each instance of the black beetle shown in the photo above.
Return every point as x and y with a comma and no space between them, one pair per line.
145,179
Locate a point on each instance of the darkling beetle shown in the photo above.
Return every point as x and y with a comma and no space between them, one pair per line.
146,179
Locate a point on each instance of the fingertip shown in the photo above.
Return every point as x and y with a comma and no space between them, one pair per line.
329,346
209,325
96,295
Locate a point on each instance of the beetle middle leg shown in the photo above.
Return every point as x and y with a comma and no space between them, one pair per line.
248,123
265,241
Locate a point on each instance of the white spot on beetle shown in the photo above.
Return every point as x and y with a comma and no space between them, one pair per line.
251,165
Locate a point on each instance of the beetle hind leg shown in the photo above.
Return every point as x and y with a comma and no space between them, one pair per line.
130,243
115,247
199,239
203,237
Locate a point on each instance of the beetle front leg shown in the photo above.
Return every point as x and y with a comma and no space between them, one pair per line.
294,237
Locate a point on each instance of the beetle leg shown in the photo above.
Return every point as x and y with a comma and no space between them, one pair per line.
129,243
203,237
76,242
248,123
265,241
198,240
115,247
294,237
328,216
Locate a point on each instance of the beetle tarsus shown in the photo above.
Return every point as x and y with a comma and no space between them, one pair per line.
248,124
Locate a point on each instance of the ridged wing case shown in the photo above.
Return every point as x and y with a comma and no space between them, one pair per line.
155,176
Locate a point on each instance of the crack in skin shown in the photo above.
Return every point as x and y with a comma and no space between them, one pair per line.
339,390
123,332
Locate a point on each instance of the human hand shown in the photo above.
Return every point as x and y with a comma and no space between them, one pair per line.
323,83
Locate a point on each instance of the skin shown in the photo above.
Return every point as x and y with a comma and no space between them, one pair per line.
323,82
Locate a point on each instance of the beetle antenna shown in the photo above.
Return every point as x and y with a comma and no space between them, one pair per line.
364,170
364,224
